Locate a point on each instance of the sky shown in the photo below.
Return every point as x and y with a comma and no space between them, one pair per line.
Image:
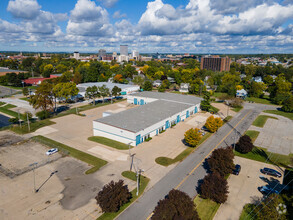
148,26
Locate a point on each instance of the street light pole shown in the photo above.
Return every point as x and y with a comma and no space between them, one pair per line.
19,119
33,165
28,122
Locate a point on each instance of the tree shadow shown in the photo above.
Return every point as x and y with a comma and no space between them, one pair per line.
206,166
264,154
198,186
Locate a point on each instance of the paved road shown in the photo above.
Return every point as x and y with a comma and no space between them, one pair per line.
185,175
4,121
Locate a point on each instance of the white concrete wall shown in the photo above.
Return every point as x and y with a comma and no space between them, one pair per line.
130,99
114,133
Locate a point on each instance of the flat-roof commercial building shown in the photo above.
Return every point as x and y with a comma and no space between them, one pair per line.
157,112
215,63
125,88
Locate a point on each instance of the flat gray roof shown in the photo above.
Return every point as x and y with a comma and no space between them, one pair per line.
172,97
109,85
144,116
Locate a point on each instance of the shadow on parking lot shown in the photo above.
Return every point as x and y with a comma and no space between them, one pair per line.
264,154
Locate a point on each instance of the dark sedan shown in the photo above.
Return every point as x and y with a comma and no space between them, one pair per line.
271,172
237,169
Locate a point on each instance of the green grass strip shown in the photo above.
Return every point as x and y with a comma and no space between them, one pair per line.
261,120
6,110
281,113
252,134
2,103
108,142
97,163
237,109
264,100
262,155
206,208
33,126
132,176
166,161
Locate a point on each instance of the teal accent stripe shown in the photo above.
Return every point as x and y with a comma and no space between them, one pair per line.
114,134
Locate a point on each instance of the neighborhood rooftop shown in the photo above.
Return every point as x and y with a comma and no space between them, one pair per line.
82,87
139,118
171,97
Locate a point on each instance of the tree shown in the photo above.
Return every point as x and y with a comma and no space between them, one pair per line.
118,78
113,196
148,86
138,80
92,93
25,91
116,91
257,89
244,144
213,124
48,70
229,83
268,208
43,97
77,78
214,187
221,161
67,90
205,104
177,205
161,88
104,91
280,89
192,137
288,104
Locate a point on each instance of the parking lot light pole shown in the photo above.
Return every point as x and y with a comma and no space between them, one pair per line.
28,122
34,165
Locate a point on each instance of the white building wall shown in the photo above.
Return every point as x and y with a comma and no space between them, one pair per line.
130,99
114,133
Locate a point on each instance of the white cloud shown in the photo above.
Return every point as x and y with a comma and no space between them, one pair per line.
88,19
118,15
109,3
25,9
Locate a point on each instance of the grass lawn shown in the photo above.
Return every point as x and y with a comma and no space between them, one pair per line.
33,126
143,183
206,208
237,109
108,142
245,212
218,94
262,155
6,109
227,119
25,99
97,163
2,103
166,161
265,100
261,120
252,134
276,112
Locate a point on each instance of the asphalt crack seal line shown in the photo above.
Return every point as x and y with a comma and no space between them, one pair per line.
205,157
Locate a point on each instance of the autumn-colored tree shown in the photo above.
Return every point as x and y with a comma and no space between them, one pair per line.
113,196
192,137
118,78
244,144
43,96
213,124
221,161
218,122
214,187
177,205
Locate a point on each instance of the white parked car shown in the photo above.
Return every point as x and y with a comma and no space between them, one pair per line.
52,151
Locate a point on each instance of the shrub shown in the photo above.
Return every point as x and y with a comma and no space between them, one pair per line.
221,161
177,205
288,104
43,114
192,137
236,102
113,196
214,187
13,120
244,144
213,124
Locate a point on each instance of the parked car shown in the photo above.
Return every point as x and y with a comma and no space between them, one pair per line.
52,151
237,169
267,190
271,172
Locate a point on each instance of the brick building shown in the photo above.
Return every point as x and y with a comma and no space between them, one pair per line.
215,63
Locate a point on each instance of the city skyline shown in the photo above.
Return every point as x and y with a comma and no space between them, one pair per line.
169,26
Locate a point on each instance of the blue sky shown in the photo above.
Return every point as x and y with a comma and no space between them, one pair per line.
179,26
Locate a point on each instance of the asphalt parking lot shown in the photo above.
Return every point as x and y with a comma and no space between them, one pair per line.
243,188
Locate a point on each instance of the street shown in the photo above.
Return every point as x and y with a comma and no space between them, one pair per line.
185,175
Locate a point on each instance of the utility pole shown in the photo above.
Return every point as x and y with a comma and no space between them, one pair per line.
28,122
138,173
76,111
34,166
131,157
227,108
19,119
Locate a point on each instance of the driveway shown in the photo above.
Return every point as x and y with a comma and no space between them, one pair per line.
22,105
243,188
276,135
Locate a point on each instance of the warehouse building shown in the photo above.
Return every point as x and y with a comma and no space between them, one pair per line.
157,112
125,88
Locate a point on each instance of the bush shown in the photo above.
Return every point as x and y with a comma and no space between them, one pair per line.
192,137
288,105
177,205
244,144
113,196
13,120
221,161
236,102
213,124
43,115
214,187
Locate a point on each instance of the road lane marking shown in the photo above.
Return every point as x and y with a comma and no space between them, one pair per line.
185,178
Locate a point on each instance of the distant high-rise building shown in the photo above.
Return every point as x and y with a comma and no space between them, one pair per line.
124,50
215,63
76,55
114,55
135,55
102,53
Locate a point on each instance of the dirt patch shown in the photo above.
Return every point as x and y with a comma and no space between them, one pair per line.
79,188
7,138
